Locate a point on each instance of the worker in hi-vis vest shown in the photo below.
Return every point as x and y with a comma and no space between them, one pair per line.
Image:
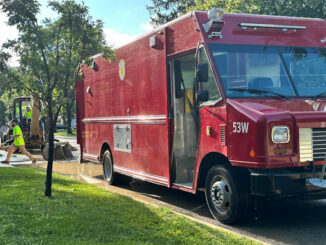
28,115
18,143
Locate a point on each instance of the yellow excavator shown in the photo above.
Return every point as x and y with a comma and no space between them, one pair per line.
30,125
35,130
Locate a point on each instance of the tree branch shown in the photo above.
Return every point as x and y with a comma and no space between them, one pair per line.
56,76
40,43
69,60
17,79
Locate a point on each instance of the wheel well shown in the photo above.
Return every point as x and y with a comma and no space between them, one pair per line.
105,147
209,161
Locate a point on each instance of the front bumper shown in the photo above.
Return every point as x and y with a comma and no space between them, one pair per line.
270,182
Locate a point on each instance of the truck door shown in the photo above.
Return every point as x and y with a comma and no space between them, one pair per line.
185,114
185,119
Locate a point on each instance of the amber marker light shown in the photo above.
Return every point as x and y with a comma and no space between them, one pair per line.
252,153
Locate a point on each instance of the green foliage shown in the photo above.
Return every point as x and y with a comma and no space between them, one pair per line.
230,6
51,52
62,132
3,113
162,11
299,8
79,213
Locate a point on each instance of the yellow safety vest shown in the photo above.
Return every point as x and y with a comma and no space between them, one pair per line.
18,140
28,114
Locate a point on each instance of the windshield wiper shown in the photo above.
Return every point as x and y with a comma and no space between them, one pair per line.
319,95
258,91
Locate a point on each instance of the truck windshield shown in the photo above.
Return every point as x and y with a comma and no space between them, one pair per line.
282,71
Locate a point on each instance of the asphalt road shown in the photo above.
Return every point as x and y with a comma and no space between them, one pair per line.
282,222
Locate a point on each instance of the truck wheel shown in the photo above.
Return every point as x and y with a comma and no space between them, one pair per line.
108,167
110,176
223,199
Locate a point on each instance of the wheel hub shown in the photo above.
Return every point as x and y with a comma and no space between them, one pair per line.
221,196
107,169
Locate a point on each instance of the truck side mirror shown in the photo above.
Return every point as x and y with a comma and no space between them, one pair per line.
202,73
202,95
178,79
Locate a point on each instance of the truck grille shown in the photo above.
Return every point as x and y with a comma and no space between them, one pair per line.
312,144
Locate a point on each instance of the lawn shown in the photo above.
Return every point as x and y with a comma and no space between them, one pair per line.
63,132
79,213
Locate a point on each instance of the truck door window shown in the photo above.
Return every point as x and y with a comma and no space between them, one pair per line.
184,77
214,94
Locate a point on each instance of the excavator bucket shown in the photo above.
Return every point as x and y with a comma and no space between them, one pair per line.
62,151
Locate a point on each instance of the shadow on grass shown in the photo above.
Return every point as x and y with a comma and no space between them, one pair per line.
81,213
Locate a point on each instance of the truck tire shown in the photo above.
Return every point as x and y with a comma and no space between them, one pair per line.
223,198
110,176
108,167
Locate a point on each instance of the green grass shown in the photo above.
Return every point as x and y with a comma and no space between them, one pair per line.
79,213
63,132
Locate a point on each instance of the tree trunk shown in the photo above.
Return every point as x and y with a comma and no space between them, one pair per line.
48,182
69,116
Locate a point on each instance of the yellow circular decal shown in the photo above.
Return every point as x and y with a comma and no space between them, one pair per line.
122,69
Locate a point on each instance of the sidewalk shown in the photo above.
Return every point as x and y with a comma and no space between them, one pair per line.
16,159
19,159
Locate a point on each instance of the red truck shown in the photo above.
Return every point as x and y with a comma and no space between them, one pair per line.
230,104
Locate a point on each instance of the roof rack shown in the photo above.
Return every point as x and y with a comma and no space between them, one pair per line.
283,27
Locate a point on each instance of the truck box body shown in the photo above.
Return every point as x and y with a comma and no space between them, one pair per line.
142,108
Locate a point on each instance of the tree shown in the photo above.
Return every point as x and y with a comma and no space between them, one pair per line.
230,6
162,11
7,92
299,8
50,53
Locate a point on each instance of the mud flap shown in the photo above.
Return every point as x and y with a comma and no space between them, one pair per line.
319,182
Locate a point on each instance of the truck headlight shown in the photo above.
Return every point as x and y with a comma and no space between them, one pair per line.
280,134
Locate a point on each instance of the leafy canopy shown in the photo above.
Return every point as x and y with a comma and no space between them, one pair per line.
162,11
50,54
